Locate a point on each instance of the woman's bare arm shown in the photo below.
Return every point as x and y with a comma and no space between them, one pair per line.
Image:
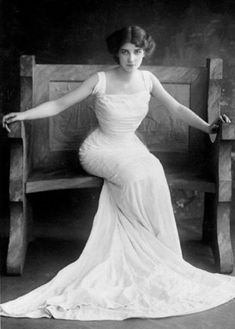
53,107
181,111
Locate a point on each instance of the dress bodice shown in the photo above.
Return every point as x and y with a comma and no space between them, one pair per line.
120,113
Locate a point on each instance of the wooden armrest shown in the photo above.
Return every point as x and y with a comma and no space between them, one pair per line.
228,131
16,130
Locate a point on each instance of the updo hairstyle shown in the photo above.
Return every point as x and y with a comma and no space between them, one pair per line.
130,34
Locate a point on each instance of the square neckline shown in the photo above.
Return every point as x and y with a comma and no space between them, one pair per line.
122,94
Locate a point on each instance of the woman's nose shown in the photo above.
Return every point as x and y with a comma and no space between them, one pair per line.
131,57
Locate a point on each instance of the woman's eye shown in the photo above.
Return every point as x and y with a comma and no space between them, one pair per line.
124,51
138,51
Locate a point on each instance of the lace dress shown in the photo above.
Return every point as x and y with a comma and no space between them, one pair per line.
132,264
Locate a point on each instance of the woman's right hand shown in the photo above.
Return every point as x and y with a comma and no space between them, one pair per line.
10,118
215,126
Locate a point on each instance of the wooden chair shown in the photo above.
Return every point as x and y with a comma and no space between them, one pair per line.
44,152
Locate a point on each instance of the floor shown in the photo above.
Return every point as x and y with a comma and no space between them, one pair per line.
47,255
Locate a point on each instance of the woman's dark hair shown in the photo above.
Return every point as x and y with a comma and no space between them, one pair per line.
130,34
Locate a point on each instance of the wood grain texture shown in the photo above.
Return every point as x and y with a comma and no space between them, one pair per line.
180,180
63,184
15,130
16,186
190,182
222,240
216,231
26,87
166,74
17,242
215,67
21,233
198,104
225,191
225,172
228,131
21,221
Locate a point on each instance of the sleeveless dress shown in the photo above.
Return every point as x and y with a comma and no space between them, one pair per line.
132,264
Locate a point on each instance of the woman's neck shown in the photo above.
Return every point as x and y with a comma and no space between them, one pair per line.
126,76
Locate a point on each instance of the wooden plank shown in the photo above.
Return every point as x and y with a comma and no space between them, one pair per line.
225,172
216,231
190,183
26,102
18,239
16,188
175,181
228,131
225,150
225,190
198,104
62,184
222,239
215,66
16,130
176,74
21,226
209,218
166,74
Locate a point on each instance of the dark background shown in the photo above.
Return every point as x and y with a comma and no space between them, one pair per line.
73,31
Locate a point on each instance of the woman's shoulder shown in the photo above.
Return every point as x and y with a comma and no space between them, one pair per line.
102,77
99,82
148,77
148,74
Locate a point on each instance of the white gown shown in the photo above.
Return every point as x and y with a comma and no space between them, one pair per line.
132,264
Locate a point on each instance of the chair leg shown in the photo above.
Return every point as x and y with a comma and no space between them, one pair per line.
209,215
216,231
20,235
223,245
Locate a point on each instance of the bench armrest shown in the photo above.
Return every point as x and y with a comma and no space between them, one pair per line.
228,131
16,130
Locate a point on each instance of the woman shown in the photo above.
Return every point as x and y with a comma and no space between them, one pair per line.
132,264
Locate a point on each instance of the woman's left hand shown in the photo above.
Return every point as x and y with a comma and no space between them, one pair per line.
214,127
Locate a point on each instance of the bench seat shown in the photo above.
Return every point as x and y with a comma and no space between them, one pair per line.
44,157
185,179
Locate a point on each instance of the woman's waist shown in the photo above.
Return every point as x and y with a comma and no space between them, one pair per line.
108,138
114,134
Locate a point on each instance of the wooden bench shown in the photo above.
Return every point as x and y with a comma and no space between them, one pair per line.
44,152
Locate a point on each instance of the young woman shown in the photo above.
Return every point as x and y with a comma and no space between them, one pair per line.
132,264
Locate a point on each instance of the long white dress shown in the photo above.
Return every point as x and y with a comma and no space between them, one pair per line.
132,264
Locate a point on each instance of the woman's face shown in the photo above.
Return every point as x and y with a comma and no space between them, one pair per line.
130,57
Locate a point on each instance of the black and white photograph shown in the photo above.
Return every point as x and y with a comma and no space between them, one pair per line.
117,150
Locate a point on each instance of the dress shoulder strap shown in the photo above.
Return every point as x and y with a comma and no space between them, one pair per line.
101,84
147,80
